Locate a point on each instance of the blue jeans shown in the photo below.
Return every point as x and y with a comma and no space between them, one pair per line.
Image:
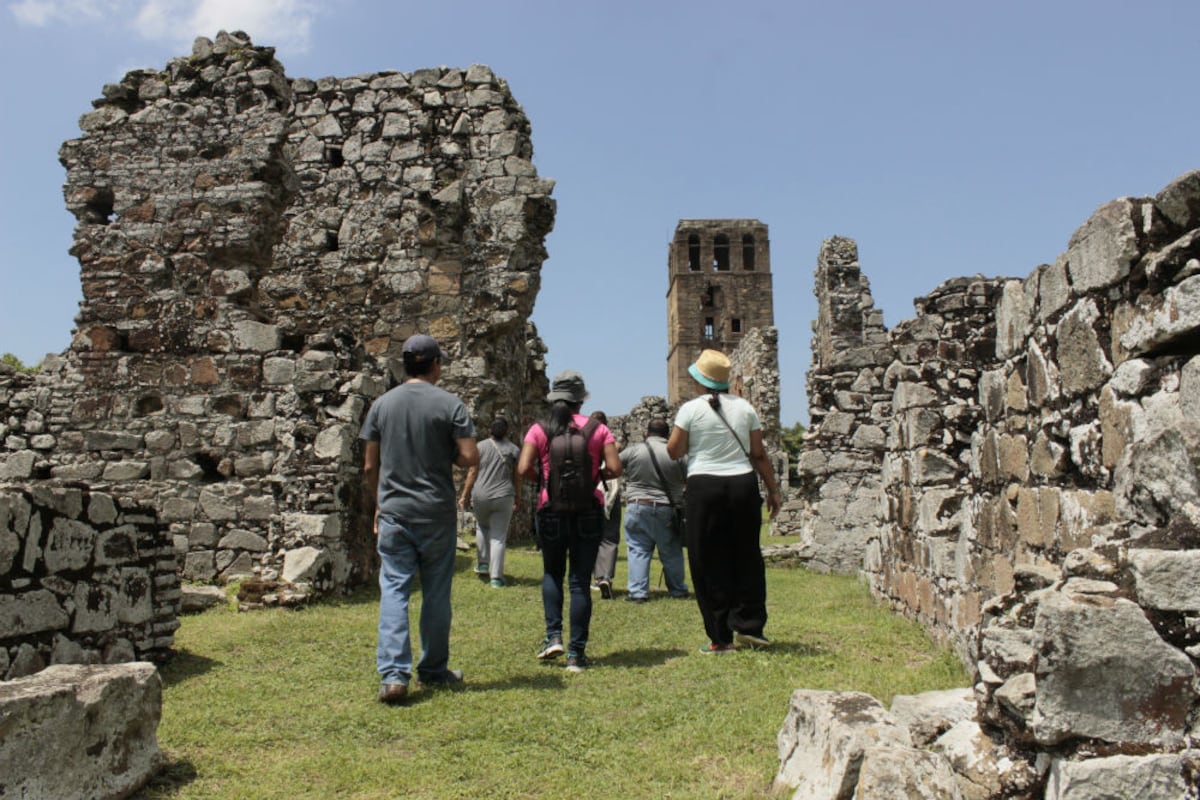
569,545
408,551
647,527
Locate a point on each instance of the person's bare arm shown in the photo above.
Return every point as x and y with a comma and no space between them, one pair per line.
762,465
370,487
677,445
526,463
464,499
468,453
612,461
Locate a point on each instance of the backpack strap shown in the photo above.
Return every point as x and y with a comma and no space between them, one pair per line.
587,431
661,478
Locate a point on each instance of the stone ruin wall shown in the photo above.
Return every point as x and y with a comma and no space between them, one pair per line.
85,578
836,502
1038,499
254,250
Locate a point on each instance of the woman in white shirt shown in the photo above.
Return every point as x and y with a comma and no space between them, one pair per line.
722,437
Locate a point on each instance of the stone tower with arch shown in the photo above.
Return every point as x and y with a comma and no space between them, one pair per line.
720,289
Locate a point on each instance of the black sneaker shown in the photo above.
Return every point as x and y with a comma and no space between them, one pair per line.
577,663
631,599
551,648
605,587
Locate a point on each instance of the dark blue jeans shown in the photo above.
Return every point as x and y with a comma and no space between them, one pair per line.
569,545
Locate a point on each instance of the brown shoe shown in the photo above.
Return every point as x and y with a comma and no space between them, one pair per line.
393,693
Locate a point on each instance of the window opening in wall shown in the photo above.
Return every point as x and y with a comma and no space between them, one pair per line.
331,241
735,325
748,252
694,253
721,253
333,156
709,328
710,296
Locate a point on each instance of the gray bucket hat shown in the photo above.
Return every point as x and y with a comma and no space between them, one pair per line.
567,385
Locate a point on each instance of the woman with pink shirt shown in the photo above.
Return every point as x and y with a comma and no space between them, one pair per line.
569,533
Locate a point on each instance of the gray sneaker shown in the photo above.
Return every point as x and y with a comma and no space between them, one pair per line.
551,648
577,663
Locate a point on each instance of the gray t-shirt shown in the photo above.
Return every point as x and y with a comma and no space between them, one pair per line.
641,481
494,480
416,425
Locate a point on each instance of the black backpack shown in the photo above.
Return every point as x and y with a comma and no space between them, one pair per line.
571,488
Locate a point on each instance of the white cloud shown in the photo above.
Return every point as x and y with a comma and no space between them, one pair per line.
284,24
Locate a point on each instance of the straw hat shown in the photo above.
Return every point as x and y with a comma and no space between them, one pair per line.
711,370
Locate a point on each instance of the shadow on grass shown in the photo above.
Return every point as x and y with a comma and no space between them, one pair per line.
643,657
546,678
168,780
184,665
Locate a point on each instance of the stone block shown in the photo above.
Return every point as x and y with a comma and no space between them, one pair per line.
1156,480
69,546
1082,362
1104,248
930,714
194,599
243,540
932,466
24,613
1014,314
1104,673
1167,580
1165,319
1179,201
824,736
53,718
903,773
256,337
303,564
912,395
1164,776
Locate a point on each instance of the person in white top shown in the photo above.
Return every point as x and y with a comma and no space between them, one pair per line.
722,438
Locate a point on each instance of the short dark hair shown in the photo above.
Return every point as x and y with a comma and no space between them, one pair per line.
600,415
415,366
499,428
658,427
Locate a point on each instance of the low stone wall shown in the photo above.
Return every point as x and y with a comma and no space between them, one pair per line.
80,732
85,578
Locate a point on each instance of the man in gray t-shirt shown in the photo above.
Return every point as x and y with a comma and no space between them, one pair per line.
414,435
650,500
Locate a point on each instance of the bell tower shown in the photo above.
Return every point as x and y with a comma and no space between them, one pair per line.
720,288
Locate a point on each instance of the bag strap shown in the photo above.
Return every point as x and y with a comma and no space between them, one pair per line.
736,438
661,479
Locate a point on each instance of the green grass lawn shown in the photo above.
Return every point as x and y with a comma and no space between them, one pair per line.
280,704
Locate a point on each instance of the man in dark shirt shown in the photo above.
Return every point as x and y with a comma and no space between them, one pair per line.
415,434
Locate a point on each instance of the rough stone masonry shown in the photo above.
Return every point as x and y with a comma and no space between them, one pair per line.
1018,467
254,250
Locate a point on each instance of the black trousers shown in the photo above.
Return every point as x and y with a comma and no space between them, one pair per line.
724,516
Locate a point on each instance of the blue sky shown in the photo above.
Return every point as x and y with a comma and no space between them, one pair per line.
947,138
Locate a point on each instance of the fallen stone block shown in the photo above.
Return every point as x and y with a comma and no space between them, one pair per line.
194,599
930,714
904,773
823,739
74,731
1157,777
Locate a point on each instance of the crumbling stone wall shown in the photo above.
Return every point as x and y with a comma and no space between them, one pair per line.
1041,486
86,577
835,506
254,250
